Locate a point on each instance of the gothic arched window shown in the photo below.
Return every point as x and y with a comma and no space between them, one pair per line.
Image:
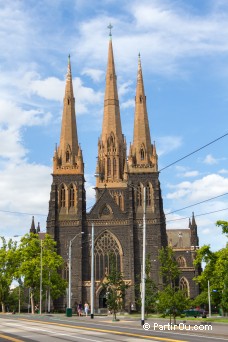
62,196
109,167
106,248
67,156
142,154
72,196
139,195
114,167
148,195
184,286
181,261
121,201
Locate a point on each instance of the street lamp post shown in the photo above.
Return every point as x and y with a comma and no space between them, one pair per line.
41,274
209,299
92,273
19,299
41,238
143,280
70,274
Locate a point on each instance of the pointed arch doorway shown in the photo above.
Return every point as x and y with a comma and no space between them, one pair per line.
102,299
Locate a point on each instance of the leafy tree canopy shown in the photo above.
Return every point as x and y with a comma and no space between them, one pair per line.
169,268
8,264
224,225
29,253
215,271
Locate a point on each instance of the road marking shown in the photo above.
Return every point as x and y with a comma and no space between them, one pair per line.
11,338
106,331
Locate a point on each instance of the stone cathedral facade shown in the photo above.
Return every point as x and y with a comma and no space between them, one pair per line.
117,214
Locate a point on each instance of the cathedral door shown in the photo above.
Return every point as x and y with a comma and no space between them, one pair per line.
102,299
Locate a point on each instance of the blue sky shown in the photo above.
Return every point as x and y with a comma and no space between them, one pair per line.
184,54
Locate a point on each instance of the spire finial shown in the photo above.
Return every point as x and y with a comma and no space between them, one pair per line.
68,68
139,60
110,30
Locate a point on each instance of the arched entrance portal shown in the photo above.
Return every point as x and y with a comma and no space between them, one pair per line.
102,299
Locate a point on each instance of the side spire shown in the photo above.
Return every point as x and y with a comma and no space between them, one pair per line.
142,153
194,235
33,229
66,155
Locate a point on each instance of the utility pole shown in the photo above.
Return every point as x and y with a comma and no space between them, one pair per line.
143,259
69,309
41,274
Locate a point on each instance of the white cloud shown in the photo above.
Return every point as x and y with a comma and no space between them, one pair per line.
96,74
164,33
124,88
52,88
14,116
26,189
12,120
223,171
167,144
190,174
128,104
209,159
200,189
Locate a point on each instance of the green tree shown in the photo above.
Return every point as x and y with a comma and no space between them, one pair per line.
151,290
224,301
171,300
29,256
224,225
115,288
7,269
17,295
168,266
215,271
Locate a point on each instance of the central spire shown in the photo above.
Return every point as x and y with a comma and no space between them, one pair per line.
111,119
112,145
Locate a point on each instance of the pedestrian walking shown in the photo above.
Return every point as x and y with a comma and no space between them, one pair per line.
86,309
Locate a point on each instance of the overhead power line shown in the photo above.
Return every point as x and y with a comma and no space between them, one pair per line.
192,205
166,214
189,154
197,215
21,213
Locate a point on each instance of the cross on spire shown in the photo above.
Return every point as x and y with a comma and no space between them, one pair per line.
110,29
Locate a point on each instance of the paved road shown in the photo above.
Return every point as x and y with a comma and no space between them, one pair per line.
56,328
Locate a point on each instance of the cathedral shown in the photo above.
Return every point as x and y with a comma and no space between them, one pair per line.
121,176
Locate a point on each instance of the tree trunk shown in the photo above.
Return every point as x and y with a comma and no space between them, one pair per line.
3,307
32,303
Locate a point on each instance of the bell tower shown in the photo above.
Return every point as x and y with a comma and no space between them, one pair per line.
143,173
67,205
